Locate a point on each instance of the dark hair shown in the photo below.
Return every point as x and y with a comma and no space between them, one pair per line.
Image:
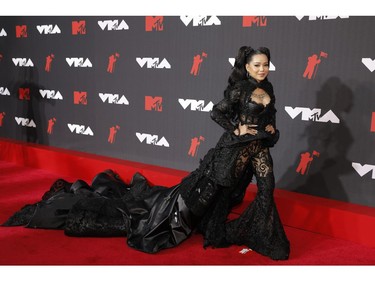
244,56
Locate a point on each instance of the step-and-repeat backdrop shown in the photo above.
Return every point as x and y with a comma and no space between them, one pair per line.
142,88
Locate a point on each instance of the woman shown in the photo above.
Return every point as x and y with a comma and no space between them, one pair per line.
156,218
247,113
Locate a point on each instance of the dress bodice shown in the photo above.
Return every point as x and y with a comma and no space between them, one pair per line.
250,112
237,107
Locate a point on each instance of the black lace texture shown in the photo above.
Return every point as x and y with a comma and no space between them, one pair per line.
21,217
259,226
25,214
102,212
97,217
244,157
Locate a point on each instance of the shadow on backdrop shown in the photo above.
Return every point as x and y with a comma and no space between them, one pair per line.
317,170
30,105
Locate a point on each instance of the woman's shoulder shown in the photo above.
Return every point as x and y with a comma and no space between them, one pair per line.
249,85
241,84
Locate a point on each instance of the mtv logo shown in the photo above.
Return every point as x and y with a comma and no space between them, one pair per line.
250,21
153,103
24,93
154,23
21,31
79,27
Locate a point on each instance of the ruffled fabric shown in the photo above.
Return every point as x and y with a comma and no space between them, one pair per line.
154,218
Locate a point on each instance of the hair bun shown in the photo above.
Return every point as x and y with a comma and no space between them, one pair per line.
248,51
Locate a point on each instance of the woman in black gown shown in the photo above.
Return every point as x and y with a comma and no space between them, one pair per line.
156,217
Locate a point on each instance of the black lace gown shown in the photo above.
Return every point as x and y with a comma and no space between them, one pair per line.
157,217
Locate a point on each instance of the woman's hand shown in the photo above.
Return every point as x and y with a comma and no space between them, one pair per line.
270,129
246,129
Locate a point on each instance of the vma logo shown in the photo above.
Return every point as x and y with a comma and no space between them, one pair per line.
152,139
49,59
111,25
113,98
364,169
322,17
23,62
79,62
21,31
153,63
198,59
80,129
2,115
200,20
257,21
312,114
196,105
25,122
24,93
79,27
3,33
48,29
4,91
51,124
80,97
50,94
369,63
111,62
154,23
154,103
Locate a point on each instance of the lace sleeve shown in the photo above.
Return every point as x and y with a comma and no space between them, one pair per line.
224,111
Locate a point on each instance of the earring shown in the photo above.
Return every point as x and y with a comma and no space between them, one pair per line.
247,74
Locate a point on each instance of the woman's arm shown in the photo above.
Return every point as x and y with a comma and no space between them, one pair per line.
223,111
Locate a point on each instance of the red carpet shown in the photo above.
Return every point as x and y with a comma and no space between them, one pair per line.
20,185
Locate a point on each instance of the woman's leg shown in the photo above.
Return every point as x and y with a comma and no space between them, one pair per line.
213,223
259,226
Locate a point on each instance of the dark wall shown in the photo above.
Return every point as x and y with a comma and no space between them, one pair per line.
129,87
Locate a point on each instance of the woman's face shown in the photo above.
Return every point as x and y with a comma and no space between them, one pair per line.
258,67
